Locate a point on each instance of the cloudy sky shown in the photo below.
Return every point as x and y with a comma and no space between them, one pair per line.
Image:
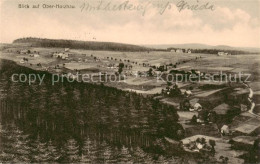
232,22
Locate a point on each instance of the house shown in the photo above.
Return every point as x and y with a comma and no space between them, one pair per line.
195,106
156,72
128,73
196,72
22,61
193,101
55,54
189,52
162,68
34,55
199,145
221,109
96,59
65,56
188,93
24,51
66,50
221,53
179,51
61,55
111,66
224,130
142,74
243,108
128,66
169,67
173,50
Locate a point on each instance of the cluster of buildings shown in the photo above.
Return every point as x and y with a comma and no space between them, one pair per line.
28,52
62,55
181,50
223,53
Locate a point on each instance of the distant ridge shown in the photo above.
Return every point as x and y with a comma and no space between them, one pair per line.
88,45
203,46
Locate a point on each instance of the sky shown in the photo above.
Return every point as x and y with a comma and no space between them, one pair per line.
229,22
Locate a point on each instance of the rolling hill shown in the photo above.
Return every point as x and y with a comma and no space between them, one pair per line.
203,46
88,45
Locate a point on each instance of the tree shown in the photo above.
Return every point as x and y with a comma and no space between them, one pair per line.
139,155
150,72
193,119
169,83
175,91
40,151
72,150
125,156
212,144
203,140
185,105
15,146
89,151
120,69
53,153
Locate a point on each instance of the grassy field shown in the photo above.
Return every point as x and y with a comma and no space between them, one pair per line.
208,63
229,64
222,148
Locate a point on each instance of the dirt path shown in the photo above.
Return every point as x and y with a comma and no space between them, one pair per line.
250,98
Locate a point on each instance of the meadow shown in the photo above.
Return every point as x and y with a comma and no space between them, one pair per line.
207,63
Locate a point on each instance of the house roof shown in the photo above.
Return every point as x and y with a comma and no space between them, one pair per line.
240,92
247,128
242,119
225,127
245,139
222,108
197,105
193,101
188,92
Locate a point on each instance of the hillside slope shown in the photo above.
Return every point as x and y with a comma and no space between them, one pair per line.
88,45
204,46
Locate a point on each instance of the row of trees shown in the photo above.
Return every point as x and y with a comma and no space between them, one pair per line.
16,146
214,51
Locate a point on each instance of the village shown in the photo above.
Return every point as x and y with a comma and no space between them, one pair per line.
223,114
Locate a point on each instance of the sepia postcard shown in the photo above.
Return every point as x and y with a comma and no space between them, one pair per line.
130,81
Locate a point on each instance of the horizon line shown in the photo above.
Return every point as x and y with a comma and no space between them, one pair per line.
159,44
